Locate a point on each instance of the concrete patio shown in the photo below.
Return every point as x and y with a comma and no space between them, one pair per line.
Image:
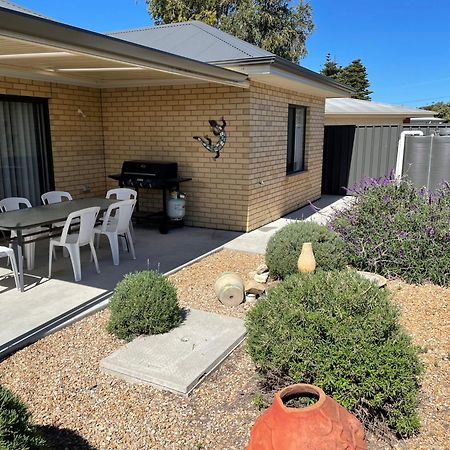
47,304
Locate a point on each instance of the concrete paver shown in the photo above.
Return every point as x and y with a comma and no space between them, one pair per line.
180,359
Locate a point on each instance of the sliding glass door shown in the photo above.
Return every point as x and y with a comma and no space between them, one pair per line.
26,167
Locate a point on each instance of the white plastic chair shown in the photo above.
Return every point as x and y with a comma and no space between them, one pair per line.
86,219
51,197
55,197
13,204
6,252
116,222
123,194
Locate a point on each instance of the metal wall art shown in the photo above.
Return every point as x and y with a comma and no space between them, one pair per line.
218,131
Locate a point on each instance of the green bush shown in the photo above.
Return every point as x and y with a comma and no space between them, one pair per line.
285,246
17,432
398,231
143,303
340,332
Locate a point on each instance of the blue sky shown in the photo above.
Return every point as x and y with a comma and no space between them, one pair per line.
403,43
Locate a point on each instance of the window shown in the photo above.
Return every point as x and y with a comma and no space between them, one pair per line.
296,139
26,167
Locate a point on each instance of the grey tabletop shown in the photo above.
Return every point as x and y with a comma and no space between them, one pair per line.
48,214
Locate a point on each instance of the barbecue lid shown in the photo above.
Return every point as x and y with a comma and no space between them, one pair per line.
160,169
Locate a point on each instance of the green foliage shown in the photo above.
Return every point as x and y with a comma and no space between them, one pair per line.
17,432
331,68
275,26
285,247
442,108
398,231
354,75
143,303
209,11
340,332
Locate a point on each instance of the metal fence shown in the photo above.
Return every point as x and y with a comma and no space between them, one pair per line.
354,152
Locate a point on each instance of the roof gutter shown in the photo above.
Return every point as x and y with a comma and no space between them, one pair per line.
23,26
288,66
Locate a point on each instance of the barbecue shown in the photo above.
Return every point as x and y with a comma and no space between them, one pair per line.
160,175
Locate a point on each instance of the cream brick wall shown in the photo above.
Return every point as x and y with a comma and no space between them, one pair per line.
158,124
77,141
271,192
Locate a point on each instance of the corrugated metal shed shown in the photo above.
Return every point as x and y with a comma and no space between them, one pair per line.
14,7
194,40
353,106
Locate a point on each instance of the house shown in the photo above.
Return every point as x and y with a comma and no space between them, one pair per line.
361,139
82,102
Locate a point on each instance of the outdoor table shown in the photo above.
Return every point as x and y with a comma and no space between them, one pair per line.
45,215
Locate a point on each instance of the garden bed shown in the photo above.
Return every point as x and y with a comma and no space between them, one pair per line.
59,377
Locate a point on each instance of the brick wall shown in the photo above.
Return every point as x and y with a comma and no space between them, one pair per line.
271,192
77,141
158,124
245,188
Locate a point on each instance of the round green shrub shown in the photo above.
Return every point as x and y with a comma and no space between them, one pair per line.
17,432
285,246
143,303
340,332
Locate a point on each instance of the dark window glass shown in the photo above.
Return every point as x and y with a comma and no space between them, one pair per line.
26,166
296,139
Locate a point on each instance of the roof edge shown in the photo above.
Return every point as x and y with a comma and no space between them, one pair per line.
18,24
288,66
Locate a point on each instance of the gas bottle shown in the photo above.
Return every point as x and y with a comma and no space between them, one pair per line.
176,205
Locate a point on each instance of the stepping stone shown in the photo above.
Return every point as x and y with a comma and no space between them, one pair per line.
179,360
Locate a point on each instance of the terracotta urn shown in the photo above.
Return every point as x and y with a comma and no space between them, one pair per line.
306,261
324,425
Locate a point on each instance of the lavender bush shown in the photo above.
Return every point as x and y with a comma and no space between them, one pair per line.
396,230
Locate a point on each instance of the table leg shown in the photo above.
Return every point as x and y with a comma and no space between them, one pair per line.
19,245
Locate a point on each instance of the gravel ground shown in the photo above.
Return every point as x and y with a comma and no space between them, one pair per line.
426,316
79,407
59,378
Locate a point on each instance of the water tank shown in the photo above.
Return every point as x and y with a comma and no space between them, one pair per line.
426,160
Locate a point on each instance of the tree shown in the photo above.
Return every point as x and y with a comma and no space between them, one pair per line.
208,11
331,68
354,75
442,108
273,25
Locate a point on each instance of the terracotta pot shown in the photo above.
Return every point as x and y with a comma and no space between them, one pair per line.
229,289
306,261
325,425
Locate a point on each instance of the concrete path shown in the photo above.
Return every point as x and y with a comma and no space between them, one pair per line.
48,304
256,241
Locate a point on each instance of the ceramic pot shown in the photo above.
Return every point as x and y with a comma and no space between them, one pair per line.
325,425
229,289
306,261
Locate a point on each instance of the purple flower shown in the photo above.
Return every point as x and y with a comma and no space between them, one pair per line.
401,253
430,231
387,199
403,234
447,237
